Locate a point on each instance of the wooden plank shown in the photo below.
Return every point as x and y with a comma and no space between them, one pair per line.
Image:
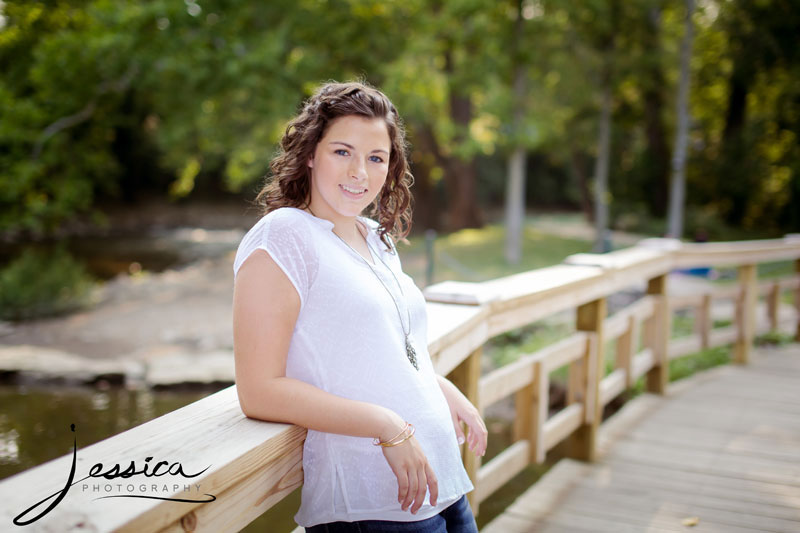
703,322
468,331
235,508
541,404
789,282
658,375
233,447
684,301
465,377
561,424
745,319
731,460
703,438
624,502
748,491
734,253
505,380
563,352
686,345
642,363
615,325
535,503
501,469
590,317
626,349
727,292
722,336
612,385
757,469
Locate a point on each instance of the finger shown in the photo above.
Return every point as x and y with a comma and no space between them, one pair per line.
457,426
433,484
402,486
419,498
413,485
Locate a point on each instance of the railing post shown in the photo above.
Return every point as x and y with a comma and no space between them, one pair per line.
746,315
773,302
590,317
465,376
658,336
704,322
532,403
626,349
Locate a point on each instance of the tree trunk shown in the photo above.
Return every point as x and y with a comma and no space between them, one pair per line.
459,173
656,171
424,158
676,200
601,168
515,186
515,205
576,167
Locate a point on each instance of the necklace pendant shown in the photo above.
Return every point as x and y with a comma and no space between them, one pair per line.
411,354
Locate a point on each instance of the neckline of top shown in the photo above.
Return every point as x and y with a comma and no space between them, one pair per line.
327,224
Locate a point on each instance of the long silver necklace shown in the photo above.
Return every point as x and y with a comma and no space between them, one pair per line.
411,353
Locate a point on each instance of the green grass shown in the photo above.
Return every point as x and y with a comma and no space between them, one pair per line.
688,365
764,271
40,283
478,254
508,347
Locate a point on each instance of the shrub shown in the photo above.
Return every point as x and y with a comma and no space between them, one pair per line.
42,283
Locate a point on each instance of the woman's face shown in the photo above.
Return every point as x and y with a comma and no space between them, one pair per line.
349,166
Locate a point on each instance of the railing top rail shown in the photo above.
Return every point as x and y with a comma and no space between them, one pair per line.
210,434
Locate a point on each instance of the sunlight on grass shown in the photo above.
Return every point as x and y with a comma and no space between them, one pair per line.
478,254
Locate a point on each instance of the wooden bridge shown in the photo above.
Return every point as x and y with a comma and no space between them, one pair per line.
721,452
717,451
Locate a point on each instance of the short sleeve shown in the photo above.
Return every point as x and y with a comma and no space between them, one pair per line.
287,238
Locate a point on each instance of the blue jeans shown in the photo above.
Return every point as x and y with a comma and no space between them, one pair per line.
457,518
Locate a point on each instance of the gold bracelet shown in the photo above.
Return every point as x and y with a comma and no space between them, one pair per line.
377,441
408,436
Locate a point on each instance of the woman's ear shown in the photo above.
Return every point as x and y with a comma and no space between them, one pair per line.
310,162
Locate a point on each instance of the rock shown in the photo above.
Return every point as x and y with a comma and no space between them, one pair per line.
172,366
48,364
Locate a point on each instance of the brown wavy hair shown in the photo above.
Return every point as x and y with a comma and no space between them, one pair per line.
289,184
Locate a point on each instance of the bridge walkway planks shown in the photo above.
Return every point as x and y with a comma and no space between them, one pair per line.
722,449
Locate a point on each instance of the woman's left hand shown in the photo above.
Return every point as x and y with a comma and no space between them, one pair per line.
462,410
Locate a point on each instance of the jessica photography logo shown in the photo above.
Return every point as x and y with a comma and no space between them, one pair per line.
143,487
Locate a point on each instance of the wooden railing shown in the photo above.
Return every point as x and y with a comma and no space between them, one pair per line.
255,464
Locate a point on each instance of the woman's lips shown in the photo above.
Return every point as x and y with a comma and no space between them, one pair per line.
349,191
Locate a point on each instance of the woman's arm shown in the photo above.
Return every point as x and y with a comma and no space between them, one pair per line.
462,410
265,310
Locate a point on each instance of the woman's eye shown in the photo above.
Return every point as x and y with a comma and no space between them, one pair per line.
376,159
340,151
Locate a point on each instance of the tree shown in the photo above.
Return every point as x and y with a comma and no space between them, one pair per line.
676,199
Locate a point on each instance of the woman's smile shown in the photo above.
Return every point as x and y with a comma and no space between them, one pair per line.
356,193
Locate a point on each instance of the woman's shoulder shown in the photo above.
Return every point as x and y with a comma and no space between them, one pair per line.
289,214
284,219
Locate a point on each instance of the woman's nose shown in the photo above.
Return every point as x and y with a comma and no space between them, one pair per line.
357,168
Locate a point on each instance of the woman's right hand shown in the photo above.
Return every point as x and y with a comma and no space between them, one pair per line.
414,475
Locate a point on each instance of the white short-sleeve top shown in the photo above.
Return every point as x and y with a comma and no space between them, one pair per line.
348,340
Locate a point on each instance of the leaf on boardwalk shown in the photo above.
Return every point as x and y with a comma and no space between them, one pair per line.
690,521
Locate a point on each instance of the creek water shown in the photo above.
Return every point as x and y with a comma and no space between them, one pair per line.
153,249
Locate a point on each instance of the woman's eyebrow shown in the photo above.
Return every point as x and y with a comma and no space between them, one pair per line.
353,147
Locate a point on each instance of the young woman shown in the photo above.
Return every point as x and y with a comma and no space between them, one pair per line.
330,334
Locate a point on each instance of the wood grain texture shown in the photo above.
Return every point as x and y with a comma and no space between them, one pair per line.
722,446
